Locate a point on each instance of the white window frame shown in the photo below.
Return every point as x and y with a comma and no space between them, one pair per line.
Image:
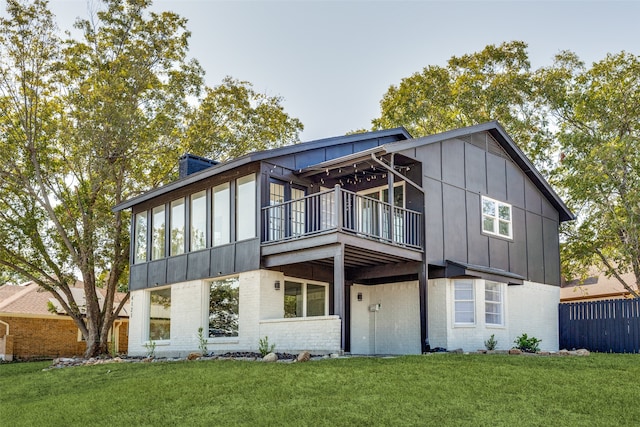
472,300
304,296
500,303
495,217
147,338
207,300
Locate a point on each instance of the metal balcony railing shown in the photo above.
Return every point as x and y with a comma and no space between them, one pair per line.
345,211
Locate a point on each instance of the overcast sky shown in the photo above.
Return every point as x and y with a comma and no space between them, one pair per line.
332,61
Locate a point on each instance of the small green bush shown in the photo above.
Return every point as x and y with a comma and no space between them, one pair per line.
264,347
151,349
202,341
527,344
491,343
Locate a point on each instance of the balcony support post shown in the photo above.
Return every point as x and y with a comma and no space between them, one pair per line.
339,308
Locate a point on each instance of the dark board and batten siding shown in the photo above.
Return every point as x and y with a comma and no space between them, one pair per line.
456,173
212,262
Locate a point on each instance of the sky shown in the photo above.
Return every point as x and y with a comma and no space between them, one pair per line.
332,61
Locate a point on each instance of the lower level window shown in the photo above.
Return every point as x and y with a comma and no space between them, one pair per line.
493,303
160,314
304,299
464,302
224,303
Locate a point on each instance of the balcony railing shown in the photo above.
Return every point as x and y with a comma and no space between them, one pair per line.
342,210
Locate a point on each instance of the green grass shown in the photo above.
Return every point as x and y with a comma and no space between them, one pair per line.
456,390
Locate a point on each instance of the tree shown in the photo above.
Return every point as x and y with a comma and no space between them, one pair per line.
88,123
84,127
597,112
493,84
233,119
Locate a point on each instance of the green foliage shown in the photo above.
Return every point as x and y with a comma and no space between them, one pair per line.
96,119
202,341
527,344
151,349
491,343
233,119
264,347
493,84
597,112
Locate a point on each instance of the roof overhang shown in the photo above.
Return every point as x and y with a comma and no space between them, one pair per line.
398,133
456,269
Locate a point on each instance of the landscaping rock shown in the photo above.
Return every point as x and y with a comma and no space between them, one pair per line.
515,351
582,352
305,356
271,357
194,356
457,351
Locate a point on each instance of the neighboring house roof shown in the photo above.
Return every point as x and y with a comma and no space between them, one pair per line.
399,133
596,287
29,298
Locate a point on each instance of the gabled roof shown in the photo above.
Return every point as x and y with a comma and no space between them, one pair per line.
30,299
400,133
500,135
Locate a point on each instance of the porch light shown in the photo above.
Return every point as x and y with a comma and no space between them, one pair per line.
276,285
359,296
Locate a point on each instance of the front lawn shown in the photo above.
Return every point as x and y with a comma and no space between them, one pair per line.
439,389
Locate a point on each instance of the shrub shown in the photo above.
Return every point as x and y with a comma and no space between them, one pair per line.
491,343
264,347
151,349
202,341
527,344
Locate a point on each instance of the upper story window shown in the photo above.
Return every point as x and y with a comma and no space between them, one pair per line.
496,218
177,227
246,207
140,237
221,214
157,232
199,220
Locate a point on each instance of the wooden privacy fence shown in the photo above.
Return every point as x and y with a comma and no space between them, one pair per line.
611,326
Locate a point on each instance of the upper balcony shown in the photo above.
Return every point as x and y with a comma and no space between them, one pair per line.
374,232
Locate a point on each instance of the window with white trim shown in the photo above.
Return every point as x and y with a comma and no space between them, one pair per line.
464,302
305,299
496,217
493,303
159,314
224,307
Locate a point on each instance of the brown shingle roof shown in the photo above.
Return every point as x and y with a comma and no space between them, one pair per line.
31,299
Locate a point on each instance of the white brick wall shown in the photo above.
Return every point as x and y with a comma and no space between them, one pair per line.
395,328
261,313
437,312
533,309
314,334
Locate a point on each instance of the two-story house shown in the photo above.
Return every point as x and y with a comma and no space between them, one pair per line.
373,243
